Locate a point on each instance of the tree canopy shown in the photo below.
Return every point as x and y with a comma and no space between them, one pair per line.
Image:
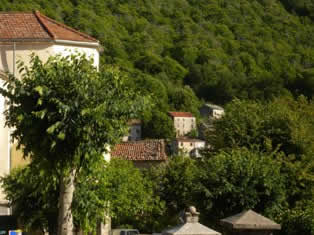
66,114
253,49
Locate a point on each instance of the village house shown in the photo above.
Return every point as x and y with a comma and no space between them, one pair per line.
212,111
184,122
22,34
143,153
188,147
135,131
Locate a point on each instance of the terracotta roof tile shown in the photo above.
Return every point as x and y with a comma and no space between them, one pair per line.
145,150
34,26
181,114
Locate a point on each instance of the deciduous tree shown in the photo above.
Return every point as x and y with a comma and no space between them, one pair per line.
66,112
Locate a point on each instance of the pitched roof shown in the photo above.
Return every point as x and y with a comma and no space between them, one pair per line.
144,150
181,114
250,220
190,229
33,26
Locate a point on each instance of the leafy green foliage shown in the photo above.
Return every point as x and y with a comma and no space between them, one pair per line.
115,189
285,124
241,179
174,183
221,185
33,192
252,49
65,113
298,220
57,106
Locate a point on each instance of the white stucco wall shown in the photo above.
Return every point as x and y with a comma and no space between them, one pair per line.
23,52
184,125
43,50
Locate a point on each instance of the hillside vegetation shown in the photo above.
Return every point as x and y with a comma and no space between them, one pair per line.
252,49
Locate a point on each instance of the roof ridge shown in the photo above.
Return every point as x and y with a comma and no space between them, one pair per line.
39,15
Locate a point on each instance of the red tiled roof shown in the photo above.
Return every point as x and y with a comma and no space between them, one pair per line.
181,114
145,150
34,26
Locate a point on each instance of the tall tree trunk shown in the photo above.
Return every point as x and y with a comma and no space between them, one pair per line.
65,218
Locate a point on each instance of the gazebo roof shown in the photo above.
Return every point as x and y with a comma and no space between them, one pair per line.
191,226
250,220
190,229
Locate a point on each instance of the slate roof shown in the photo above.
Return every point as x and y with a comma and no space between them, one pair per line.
181,114
33,26
144,150
250,220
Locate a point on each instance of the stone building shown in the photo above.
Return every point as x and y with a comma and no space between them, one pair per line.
184,122
21,34
211,111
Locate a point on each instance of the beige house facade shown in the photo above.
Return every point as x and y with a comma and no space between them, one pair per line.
183,122
22,34
188,147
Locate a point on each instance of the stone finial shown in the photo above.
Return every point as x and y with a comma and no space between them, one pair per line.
192,216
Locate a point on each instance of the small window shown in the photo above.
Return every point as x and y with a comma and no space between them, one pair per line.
191,144
181,144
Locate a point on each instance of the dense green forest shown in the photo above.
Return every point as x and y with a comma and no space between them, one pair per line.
184,51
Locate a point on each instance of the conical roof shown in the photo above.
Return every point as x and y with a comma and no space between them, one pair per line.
250,220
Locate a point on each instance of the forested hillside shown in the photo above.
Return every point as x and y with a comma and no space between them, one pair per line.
250,49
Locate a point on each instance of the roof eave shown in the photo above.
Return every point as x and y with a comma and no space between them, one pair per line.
79,43
26,40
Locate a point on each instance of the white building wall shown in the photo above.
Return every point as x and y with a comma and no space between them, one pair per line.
184,125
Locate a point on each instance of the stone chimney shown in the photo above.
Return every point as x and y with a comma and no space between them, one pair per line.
192,216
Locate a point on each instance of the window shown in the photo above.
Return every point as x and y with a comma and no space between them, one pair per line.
191,144
181,144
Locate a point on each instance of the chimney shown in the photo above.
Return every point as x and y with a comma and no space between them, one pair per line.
192,216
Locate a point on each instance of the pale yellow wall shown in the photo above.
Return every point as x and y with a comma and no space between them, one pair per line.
43,50
184,125
4,146
23,52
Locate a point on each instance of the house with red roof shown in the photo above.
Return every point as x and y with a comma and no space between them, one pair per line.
143,153
183,122
188,147
24,33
